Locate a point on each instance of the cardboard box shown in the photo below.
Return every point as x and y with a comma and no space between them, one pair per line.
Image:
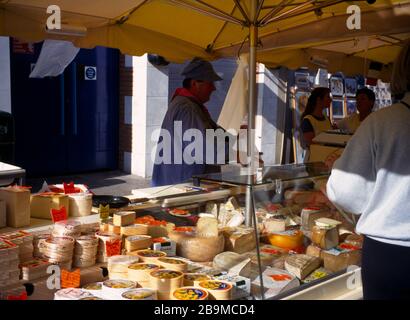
17,206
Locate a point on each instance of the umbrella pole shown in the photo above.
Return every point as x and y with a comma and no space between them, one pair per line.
253,36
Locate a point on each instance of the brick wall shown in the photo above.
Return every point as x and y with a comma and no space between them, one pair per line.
125,130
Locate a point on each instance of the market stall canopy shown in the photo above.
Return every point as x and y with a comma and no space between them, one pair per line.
181,29
351,56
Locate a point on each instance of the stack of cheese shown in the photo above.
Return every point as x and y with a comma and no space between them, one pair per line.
118,266
59,250
24,241
38,243
9,262
34,269
165,282
69,228
85,252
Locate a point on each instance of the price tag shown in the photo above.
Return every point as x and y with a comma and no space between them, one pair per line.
70,279
104,211
23,296
59,214
113,247
69,188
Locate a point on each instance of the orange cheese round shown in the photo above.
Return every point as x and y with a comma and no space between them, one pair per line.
289,240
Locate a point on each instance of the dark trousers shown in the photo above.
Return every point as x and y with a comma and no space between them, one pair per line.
385,271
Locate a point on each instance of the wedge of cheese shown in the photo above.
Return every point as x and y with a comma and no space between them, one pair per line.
301,265
239,240
325,238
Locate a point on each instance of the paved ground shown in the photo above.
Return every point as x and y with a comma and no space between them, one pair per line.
107,182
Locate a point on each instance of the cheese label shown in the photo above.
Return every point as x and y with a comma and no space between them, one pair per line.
104,211
70,279
59,214
69,188
215,285
342,248
113,247
280,277
190,294
22,296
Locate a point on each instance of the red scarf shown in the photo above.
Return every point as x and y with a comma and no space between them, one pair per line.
183,92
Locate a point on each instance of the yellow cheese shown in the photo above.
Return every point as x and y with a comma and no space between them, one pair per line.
134,230
190,293
165,282
173,264
133,243
123,218
41,204
218,290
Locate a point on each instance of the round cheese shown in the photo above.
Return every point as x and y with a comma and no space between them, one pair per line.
289,240
173,264
218,290
120,263
190,293
195,248
139,272
165,282
139,294
193,279
148,256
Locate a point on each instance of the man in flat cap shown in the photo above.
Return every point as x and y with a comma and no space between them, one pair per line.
186,110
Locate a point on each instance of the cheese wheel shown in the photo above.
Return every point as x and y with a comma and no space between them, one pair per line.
193,279
139,272
173,264
290,240
148,256
190,293
198,249
165,282
140,294
133,243
218,290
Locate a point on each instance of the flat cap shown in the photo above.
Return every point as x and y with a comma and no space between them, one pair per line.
199,69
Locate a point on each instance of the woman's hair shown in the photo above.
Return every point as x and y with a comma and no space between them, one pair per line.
311,103
400,81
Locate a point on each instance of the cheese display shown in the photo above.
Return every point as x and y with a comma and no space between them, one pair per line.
239,240
165,282
339,258
275,281
133,243
17,201
123,218
290,239
139,272
195,248
148,256
325,237
189,293
134,230
173,264
41,204
217,289
301,265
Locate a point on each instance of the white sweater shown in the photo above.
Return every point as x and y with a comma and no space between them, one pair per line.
372,177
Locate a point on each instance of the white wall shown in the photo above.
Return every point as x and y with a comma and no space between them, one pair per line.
5,86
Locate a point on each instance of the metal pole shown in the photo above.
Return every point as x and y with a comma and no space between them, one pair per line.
253,40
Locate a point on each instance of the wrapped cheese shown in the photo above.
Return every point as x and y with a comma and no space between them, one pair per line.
301,265
207,226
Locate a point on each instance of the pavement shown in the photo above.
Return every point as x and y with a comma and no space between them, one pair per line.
101,183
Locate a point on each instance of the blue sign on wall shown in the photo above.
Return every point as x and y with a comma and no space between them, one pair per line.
90,73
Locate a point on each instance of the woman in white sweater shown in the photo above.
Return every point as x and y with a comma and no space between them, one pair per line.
372,178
